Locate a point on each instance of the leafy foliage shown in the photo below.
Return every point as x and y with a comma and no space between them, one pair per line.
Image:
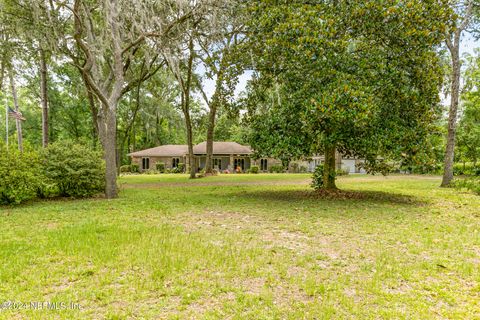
472,184
160,166
469,169
363,79
317,178
21,175
179,169
135,168
76,170
125,168
276,169
468,133
341,172
254,169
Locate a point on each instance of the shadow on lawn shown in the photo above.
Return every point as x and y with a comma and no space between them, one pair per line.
337,196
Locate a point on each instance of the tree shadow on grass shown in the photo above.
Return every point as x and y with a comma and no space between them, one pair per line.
341,196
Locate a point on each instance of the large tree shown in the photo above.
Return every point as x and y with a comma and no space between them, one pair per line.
464,18
104,39
222,33
361,78
468,137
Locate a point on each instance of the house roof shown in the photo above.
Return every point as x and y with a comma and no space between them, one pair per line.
222,148
169,150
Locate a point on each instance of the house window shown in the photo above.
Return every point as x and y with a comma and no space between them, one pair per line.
145,163
217,164
263,164
175,162
239,163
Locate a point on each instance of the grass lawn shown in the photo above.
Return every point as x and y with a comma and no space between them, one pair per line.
247,247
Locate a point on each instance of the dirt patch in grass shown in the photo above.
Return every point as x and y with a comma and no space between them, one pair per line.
212,219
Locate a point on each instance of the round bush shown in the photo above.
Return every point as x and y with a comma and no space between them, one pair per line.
160,166
21,175
254,169
135,168
76,170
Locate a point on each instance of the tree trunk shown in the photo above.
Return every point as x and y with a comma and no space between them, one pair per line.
107,130
18,122
329,169
210,133
44,97
186,110
191,157
452,117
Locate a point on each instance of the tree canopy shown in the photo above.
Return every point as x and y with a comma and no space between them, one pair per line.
362,78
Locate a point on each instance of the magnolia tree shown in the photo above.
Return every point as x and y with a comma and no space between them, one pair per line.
358,77
105,40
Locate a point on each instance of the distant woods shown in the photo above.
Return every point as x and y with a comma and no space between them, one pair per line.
361,78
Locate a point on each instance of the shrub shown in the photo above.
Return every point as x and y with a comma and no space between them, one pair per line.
150,171
21,175
276,169
342,172
75,169
254,169
126,168
303,169
160,166
179,169
134,168
295,168
467,169
472,184
317,178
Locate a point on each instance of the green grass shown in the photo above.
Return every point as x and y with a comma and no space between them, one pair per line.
247,247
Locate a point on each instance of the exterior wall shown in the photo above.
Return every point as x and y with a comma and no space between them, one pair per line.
270,162
154,160
202,160
137,161
227,162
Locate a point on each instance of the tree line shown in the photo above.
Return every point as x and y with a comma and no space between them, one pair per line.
363,78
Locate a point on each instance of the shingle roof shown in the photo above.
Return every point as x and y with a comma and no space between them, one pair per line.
219,148
162,151
222,148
